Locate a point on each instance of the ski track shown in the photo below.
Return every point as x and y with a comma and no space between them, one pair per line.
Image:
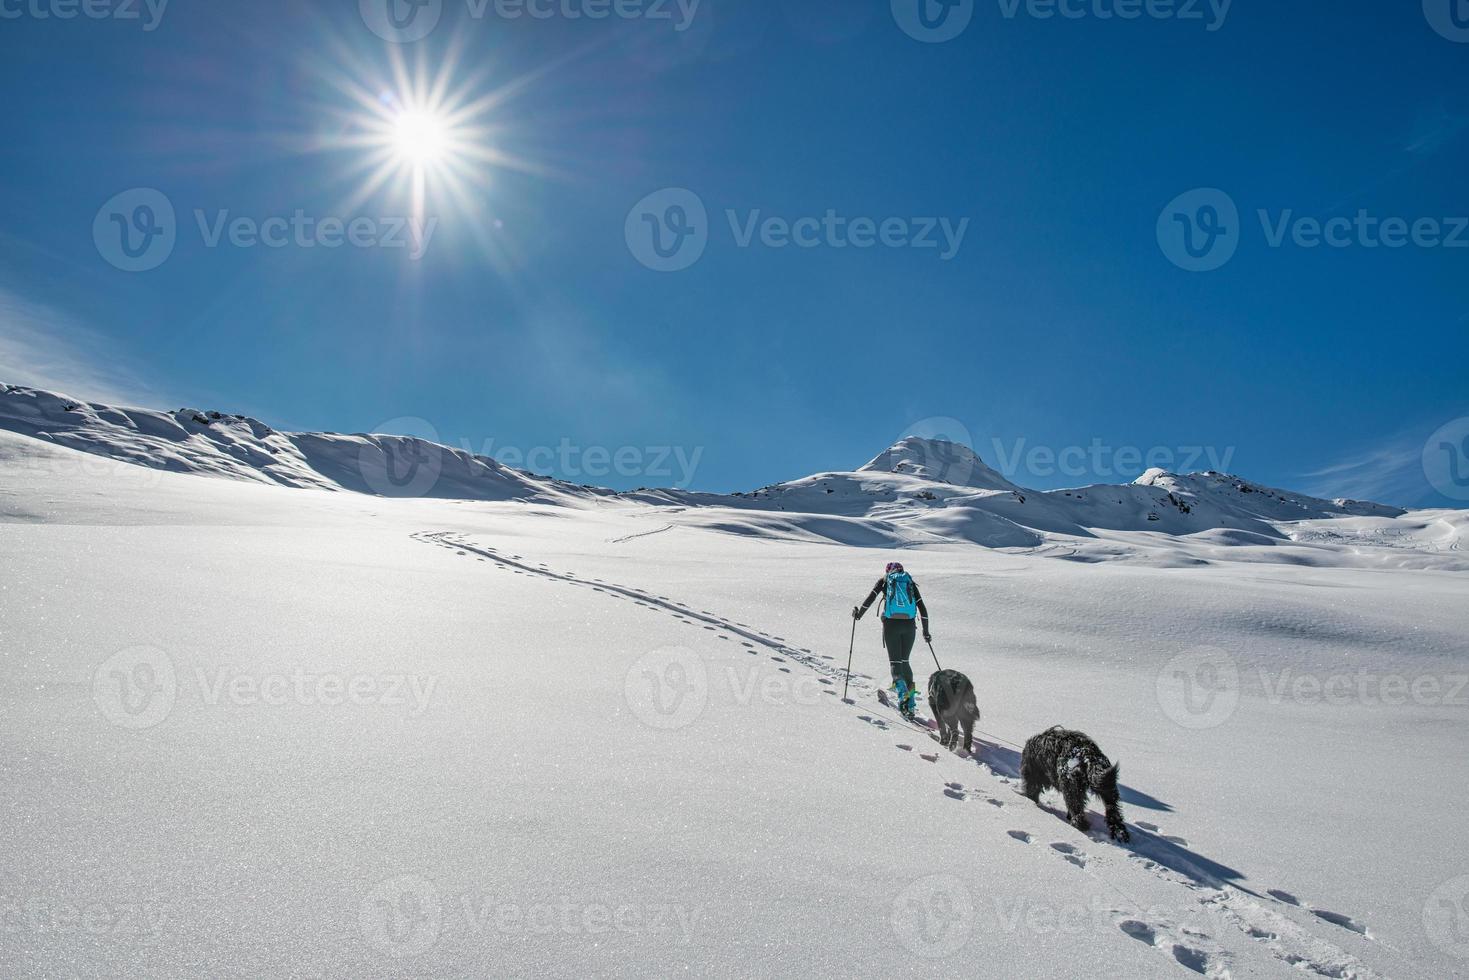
1292,944
640,534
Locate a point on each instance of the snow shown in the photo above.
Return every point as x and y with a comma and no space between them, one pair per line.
567,733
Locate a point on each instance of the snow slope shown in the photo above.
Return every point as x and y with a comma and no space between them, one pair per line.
918,492
234,446
256,731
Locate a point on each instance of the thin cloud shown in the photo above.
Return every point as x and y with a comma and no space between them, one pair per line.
1391,474
41,347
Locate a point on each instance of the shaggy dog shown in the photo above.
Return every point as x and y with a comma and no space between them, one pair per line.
951,699
1072,763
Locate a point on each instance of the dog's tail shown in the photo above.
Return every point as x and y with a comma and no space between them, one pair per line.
1105,780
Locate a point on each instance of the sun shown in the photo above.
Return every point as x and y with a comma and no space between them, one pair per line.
424,136
420,138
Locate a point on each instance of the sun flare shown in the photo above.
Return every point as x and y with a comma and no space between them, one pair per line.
419,138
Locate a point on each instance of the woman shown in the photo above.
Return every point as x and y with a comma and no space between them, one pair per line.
901,603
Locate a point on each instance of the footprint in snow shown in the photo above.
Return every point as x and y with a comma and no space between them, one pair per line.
1140,931
1070,853
955,794
928,758
905,748
823,680
1285,897
777,659
1190,958
1150,827
1345,921
994,802
1021,836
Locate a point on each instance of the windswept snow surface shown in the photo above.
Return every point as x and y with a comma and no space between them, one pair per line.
254,731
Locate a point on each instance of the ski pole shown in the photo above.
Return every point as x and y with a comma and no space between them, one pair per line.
850,647
935,656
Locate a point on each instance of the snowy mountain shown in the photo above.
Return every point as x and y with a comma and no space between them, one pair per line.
919,492
237,447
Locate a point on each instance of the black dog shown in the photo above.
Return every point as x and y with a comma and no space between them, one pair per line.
951,699
1072,763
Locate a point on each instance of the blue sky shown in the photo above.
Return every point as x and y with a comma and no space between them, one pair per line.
1059,322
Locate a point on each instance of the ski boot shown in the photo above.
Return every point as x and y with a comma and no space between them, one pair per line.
906,698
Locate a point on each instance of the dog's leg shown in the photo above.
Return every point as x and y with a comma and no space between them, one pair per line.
969,736
1032,781
1074,790
1115,825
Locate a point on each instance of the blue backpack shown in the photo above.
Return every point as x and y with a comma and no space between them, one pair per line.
898,601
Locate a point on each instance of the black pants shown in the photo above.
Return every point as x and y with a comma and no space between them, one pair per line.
897,638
